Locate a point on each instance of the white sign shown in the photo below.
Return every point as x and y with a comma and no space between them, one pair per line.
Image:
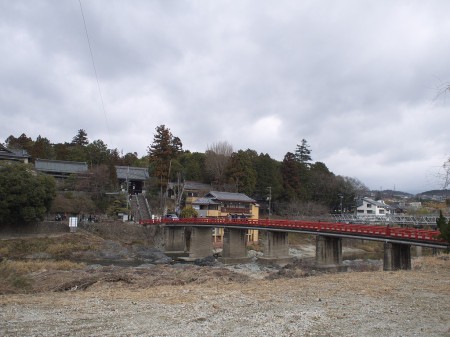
73,221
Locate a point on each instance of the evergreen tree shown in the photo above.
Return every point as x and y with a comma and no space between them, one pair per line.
23,142
162,151
303,153
97,153
130,159
268,177
80,139
291,177
61,151
444,227
194,166
114,158
26,195
241,172
322,185
42,149
77,153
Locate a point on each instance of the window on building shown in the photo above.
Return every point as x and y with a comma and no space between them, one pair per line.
369,206
369,211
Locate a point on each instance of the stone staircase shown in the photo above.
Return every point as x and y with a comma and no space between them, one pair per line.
140,208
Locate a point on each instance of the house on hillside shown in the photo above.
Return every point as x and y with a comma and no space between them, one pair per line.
415,205
60,169
14,155
193,190
367,206
227,204
132,179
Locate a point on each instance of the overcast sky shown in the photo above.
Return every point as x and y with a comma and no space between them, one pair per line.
359,80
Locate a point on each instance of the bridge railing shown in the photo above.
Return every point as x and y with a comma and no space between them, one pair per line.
313,226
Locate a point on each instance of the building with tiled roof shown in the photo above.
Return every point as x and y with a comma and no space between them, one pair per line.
14,154
60,169
227,204
132,179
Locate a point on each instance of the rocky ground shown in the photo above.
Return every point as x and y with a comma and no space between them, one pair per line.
210,299
186,300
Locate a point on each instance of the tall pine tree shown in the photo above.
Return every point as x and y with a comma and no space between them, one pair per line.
162,151
303,153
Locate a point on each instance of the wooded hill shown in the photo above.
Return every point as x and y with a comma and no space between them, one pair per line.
296,185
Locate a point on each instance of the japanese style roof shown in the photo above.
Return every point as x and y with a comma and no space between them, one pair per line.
13,154
60,166
373,202
205,201
229,196
132,173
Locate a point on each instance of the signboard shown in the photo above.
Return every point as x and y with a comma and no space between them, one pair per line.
73,223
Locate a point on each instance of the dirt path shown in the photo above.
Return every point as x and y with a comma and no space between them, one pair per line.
407,303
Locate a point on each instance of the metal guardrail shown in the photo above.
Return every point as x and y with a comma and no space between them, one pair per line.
387,219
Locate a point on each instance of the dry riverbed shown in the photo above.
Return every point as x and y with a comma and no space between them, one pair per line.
183,300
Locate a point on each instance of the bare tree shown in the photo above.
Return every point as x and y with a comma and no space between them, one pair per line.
355,186
216,161
442,89
444,174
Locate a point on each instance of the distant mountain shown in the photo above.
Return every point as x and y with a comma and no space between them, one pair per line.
391,194
440,193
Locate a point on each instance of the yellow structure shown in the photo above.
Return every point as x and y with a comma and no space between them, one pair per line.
227,205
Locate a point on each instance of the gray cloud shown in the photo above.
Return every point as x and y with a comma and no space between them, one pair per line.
357,79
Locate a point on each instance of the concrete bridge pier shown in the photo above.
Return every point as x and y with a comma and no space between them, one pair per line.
174,241
275,248
396,256
329,253
201,243
234,246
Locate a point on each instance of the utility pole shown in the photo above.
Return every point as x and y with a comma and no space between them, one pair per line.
270,199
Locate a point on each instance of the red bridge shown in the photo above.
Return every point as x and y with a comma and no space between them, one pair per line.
275,246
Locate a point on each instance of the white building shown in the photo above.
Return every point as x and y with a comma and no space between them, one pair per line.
367,206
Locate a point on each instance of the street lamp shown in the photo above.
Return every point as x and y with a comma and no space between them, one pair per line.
270,198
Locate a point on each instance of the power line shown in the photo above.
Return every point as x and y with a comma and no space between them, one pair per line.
95,71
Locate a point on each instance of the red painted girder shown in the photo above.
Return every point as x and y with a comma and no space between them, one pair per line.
317,226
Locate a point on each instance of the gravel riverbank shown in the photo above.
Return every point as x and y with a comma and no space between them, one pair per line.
206,301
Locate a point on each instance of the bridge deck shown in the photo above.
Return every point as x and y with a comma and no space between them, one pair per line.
374,232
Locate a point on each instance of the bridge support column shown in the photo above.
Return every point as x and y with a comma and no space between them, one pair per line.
329,253
174,241
275,248
201,243
396,256
234,246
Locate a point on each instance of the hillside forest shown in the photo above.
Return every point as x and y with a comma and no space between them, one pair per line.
295,186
